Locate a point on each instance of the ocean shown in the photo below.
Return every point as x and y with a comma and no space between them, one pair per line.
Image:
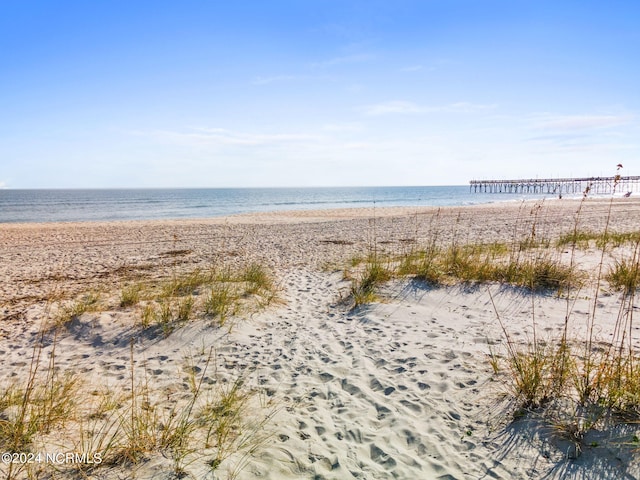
147,204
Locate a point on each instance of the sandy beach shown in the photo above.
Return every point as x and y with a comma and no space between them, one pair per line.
400,388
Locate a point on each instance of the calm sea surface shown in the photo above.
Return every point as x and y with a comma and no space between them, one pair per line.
144,204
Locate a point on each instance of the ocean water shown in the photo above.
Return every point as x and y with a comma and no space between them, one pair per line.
145,204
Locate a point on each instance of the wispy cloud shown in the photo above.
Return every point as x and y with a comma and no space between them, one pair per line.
347,59
343,127
408,108
581,122
466,107
563,140
394,107
221,136
412,68
579,133
277,78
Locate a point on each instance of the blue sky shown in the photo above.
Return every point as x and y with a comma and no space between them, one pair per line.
315,92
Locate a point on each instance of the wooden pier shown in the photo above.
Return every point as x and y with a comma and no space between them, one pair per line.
558,186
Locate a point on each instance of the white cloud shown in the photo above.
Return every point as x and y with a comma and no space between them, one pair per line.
276,78
343,127
581,122
3,184
360,146
404,108
221,136
466,107
412,68
393,107
590,134
347,59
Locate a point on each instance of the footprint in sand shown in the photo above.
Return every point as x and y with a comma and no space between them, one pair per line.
375,385
411,406
350,388
381,457
382,411
326,377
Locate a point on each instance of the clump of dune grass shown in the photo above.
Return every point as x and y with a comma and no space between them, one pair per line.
542,273
130,295
129,426
583,238
536,372
220,302
577,238
88,302
185,284
625,275
44,400
208,422
577,385
538,271
198,294
36,408
532,243
364,286
422,265
527,261
257,278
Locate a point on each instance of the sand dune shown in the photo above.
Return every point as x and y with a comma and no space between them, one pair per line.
401,388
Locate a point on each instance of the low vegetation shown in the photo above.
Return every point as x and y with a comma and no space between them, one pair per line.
171,303
590,382
585,238
202,419
574,384
215,295
625,275
88,302
537,270
205,422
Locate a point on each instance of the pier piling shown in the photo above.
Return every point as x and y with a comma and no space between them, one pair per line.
558,186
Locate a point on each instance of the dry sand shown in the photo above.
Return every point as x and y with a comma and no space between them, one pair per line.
402,388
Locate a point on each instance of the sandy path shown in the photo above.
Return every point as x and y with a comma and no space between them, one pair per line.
401,389
393,391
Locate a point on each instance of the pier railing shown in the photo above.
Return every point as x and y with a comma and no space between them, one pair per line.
558,186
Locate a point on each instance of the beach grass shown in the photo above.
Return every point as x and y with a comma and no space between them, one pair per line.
575,384
579,384
128,425
208,422
540,271
87,302
216,293
583,238
625,275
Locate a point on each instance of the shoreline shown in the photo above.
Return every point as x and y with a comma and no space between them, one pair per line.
329,214
476,200
39,257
